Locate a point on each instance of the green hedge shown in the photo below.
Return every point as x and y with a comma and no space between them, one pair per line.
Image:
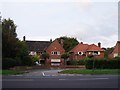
8,63
103,63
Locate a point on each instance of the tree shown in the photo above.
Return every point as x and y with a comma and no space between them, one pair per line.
9,38
13,50
108,51
65,56
68,42
44,56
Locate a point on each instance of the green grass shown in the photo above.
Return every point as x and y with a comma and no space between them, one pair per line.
90,71
7,72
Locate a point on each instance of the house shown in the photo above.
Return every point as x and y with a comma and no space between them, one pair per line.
55,50
116,51
36,47
83,50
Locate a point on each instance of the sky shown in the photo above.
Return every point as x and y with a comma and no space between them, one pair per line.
89,21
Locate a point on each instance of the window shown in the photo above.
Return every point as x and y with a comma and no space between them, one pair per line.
95,53
55,53
115,54
80,53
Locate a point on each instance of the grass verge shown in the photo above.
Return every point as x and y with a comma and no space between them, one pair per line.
9,72
90,71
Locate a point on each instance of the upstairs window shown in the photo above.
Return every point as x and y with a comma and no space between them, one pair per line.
95,53
80,53
55,53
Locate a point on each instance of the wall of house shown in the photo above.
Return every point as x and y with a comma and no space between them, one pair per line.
55,47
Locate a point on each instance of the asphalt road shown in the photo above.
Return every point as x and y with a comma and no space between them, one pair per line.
51,79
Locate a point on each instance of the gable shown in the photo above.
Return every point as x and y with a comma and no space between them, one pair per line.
55,46
117,48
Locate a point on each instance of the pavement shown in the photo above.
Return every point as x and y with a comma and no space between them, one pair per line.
52,79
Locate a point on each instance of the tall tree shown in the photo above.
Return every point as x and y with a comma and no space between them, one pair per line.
9,38
13,50
68,42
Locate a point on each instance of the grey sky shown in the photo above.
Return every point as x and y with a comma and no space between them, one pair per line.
90,21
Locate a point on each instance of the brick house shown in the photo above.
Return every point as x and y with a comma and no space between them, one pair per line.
83,50
116,51
55,50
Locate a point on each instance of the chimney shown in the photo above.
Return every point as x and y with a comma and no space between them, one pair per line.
23,38
50,40
61,42
99,44
81,43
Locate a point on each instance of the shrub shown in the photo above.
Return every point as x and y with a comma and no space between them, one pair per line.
81,62
103,63
73,62
27,61
42,61
8,63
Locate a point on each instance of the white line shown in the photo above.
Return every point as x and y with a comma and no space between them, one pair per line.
86,79
43,73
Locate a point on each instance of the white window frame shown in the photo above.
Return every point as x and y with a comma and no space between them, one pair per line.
55,53
80,52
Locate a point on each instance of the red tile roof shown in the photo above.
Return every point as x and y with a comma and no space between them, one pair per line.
80,47
117,48
93,47
86,47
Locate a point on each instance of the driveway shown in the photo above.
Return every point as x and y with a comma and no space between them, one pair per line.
43,72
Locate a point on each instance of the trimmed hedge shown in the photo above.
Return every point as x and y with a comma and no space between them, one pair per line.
103,63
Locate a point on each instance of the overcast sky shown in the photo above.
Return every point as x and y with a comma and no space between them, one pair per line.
89,21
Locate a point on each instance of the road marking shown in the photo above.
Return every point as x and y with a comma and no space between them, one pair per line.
86,79
43,73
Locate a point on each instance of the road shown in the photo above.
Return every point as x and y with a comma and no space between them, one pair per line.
51,79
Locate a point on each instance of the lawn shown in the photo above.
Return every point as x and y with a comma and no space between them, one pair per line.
90,71
7,72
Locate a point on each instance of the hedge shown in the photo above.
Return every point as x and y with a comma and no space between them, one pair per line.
8,63
103,63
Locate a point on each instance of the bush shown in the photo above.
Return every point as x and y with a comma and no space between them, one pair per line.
73,62
27,61
42,61
81,62
103,63
8,63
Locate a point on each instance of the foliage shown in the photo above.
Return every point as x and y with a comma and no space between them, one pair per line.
14,51
108,51
68,42
73,62
103,63
45,55
9,40
65,55
8,63
35,58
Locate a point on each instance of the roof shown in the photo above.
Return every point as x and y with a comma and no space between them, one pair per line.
86,47
80,47
55,45
117,48
93,47
37,45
